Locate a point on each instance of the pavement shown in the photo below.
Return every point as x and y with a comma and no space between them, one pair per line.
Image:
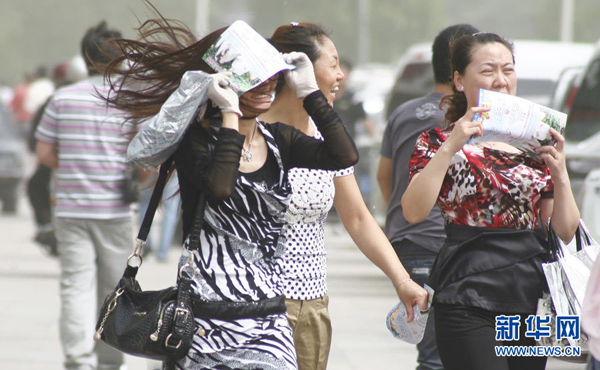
360,298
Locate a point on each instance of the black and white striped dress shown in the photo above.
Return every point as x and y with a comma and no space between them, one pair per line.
240,252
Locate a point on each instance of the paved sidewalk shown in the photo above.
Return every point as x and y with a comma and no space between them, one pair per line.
360,297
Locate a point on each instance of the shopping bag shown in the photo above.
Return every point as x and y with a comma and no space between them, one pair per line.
567,275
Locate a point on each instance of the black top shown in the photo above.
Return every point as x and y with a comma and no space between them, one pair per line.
495,269
208,161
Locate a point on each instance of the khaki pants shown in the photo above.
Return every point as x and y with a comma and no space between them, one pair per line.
92,256
311,324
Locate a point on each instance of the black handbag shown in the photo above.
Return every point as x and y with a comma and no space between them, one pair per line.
151,324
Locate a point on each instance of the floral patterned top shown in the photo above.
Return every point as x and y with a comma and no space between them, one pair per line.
485,187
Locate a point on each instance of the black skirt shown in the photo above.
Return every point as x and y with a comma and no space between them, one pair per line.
494,269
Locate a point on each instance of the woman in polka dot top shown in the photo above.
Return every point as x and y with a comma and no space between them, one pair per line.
313,194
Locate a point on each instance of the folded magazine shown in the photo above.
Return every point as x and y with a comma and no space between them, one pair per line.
517,121
247,55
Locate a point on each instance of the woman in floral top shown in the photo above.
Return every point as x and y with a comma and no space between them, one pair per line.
493,199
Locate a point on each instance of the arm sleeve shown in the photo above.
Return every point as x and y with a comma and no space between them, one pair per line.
386,143
216,172
337,149
548,190
426,146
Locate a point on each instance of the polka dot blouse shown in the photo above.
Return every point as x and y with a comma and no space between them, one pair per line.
305,260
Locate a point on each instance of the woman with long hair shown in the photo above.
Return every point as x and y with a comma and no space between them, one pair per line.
239,165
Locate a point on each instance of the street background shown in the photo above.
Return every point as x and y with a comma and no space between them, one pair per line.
360,298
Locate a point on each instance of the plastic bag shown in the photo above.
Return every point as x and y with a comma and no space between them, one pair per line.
162,133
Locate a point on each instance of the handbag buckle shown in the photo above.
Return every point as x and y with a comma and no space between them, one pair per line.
168,345
182,311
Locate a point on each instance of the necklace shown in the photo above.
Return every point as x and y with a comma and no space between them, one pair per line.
247,154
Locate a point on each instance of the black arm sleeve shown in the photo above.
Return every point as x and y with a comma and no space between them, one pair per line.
337,149
213,172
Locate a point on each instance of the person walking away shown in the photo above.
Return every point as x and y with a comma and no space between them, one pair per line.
417,245
85,143
492,197
313,192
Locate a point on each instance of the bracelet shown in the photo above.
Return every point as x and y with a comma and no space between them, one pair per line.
402,282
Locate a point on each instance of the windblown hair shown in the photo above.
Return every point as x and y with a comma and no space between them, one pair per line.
97,46
461,56
149,69
303,37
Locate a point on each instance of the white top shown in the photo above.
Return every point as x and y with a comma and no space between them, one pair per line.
305,260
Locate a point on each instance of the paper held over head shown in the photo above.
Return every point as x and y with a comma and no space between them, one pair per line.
517,121
247,55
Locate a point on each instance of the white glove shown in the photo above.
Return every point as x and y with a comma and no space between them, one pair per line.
222,95
302,79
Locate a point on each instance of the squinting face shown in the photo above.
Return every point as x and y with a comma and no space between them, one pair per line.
491,68
327,70
258,100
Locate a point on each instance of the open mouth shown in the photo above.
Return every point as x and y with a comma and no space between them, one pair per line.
334,91
262,97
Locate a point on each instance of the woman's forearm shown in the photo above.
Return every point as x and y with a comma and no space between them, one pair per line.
565,213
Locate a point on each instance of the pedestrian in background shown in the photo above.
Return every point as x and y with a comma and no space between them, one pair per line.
492,198
350,108
85,142
38,185
313,193
417,245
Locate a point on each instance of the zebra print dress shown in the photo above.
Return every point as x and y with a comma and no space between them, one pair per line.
241,248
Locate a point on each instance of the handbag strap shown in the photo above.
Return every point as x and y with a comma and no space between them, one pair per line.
154,200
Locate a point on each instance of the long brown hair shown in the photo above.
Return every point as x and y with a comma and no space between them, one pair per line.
149,69
461,56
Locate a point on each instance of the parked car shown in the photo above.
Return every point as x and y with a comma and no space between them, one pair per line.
582,132
538,64
565,89
12,162
414,77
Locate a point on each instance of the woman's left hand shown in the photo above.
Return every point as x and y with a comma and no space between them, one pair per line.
301,79
554,156
410,294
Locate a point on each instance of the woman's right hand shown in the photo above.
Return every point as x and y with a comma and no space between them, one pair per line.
412,294
222,94
465,128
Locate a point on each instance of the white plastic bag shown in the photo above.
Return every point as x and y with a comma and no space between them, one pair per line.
567,277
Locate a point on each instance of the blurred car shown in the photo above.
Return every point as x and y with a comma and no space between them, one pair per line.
414,77
566,88
12,162
582,132
538,64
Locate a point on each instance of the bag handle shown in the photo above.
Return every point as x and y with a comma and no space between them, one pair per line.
558,247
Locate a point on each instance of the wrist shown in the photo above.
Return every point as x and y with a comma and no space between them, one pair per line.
401,283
